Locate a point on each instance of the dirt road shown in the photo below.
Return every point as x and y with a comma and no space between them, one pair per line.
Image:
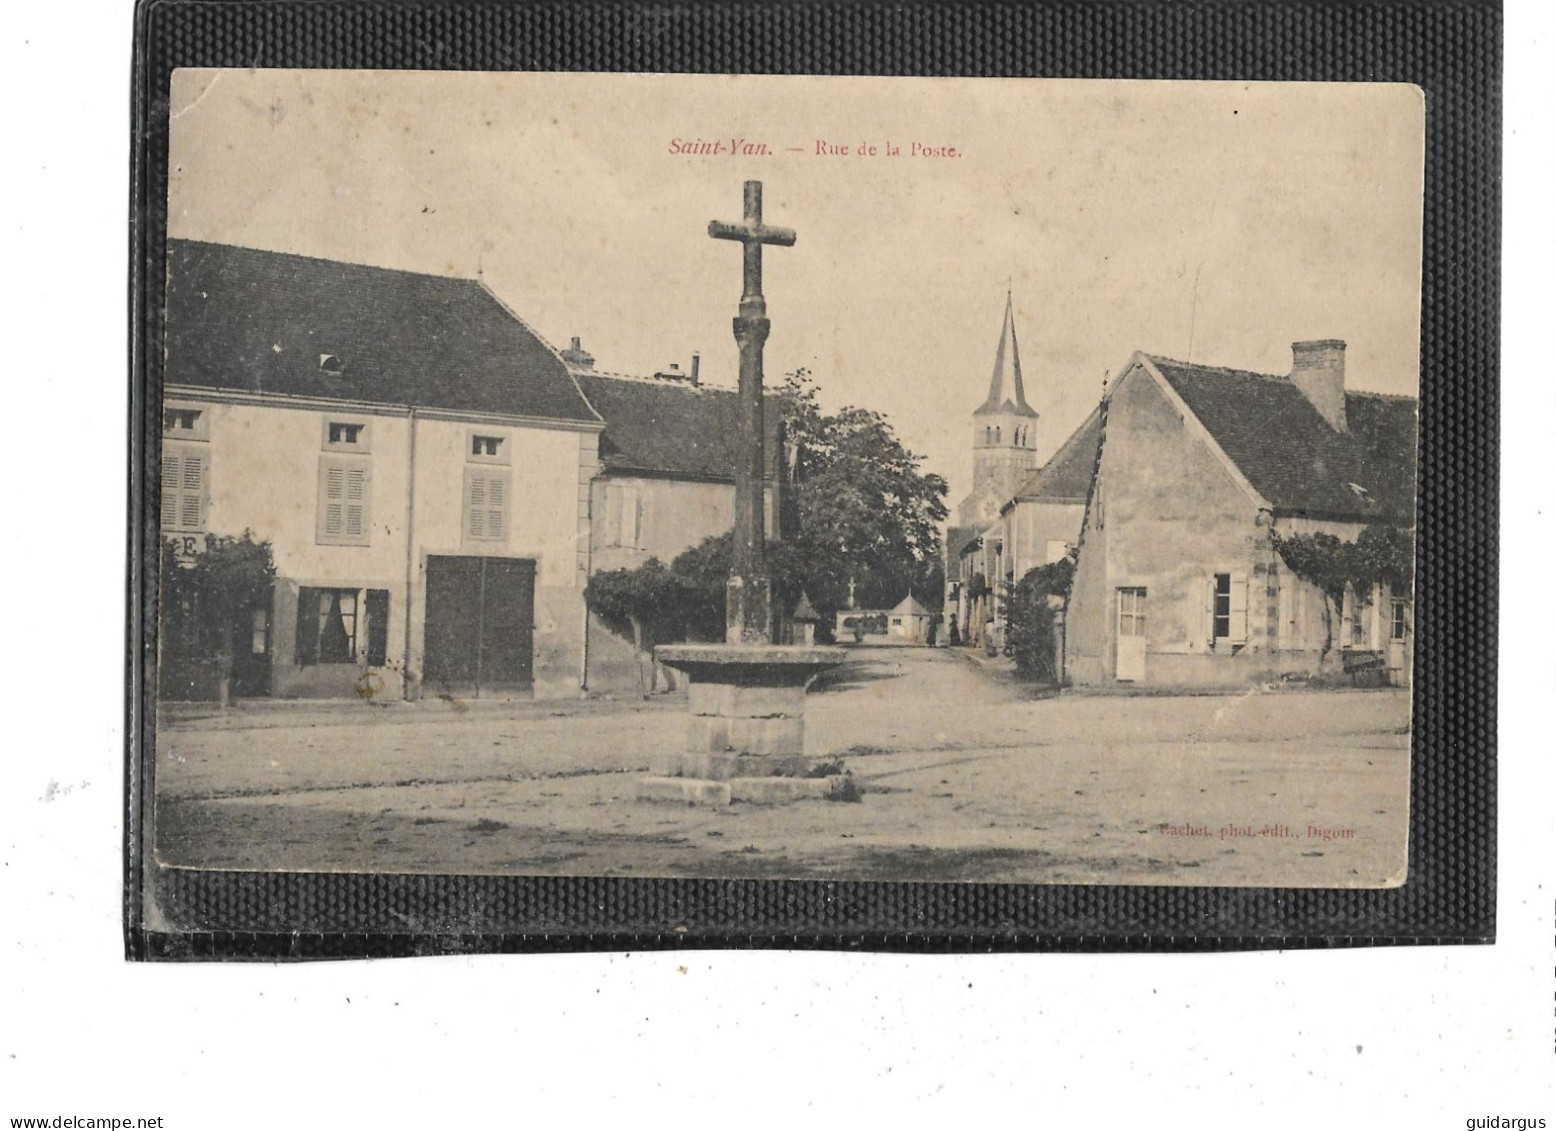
964,777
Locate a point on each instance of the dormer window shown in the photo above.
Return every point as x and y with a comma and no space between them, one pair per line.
331,363
486,447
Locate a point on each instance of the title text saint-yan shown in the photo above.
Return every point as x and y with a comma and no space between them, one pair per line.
733,146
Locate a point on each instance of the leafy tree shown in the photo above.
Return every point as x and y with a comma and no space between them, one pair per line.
202,599
649,600
865,509
1029,618
1381,555
859,509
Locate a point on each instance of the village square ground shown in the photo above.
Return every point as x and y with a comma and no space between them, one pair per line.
963,774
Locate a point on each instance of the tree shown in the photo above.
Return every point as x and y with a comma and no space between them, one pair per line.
649,600
865,510
202,600
1029,618
859,509
1381,555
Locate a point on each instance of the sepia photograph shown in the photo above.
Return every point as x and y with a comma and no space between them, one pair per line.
776,477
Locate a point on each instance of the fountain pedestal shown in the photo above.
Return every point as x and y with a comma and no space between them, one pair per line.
745,736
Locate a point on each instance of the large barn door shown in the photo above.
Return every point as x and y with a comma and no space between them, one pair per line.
508,625
1130,663
480,625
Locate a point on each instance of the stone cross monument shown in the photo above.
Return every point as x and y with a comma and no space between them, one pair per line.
746,697
748,605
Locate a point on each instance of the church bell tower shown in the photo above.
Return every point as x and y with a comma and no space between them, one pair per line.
1004,433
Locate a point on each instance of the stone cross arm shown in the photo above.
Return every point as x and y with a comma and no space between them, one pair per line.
749,232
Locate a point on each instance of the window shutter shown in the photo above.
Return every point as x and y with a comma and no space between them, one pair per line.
333,505
307,626
172,472
377,627
495,504
1208,613
475,506
486,504
344,496
355,506
191,505
1238,633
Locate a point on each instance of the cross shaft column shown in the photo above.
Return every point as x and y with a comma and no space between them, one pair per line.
748,599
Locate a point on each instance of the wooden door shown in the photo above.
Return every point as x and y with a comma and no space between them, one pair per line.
480,625
251,651
1129,666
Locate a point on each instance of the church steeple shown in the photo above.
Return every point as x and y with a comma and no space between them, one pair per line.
1004,432
1007,394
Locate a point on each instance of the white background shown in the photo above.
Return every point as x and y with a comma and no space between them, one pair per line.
1417,1038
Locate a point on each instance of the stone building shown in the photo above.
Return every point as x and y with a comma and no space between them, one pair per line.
1178,581
665,482
419,459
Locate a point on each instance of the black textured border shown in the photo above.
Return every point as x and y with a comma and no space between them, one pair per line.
1452,50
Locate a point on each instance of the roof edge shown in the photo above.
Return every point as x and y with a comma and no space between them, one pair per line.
1196,426
566,369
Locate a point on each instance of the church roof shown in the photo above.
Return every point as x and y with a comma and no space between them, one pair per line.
1291,455
1066,477
1006,392
674,429
256,321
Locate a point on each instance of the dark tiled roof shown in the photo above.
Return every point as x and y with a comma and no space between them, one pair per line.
675,429
958,538
258,321
1291,455
1066,477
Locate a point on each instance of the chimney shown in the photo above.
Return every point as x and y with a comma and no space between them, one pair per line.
696,366
1318,369
576,356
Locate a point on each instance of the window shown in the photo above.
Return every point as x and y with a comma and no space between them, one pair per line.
347,436
1228,609
175,420
333,623
486,447
486,505
1399,623
326,626
344,499
184,422
185,471
623,517
1131,612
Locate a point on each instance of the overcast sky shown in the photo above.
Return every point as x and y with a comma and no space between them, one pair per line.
1215,221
